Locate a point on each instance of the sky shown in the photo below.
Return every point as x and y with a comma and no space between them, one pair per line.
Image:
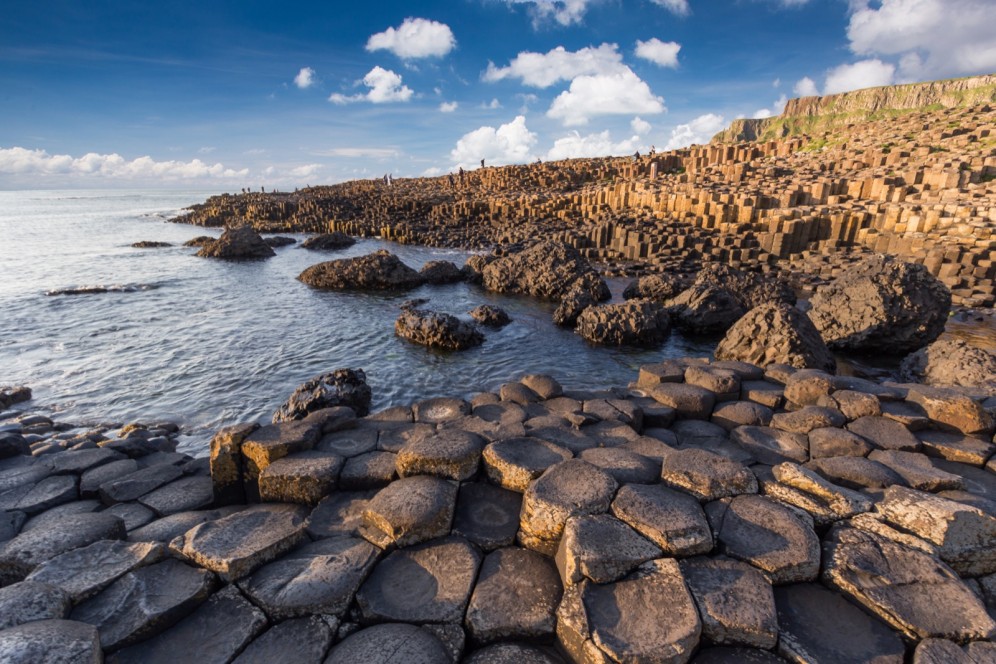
228,94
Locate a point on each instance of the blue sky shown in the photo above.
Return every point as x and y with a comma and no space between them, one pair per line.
227,94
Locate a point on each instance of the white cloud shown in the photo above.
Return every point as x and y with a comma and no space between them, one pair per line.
491,105
305,78
385,86
415,38
660,53
541,70
305,171
700,130
207,149
376,153
776,108
22,161
805,87
621,93
564,12
575,145
679,7
776,83
639,126
510,143
931,38
863,74
448,106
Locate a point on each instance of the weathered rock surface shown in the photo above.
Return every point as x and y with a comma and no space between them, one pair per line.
601,548
378,271
51,642
438,330
304,640
328,241
706,475
450,454
409,511
515,462
21,555
632,323
27,601
734,600
490,315
705,309
658,287
342,387
84,572
546,269
487,515
776,333
441,272
950,362
304,477
391,643
673,520
240,242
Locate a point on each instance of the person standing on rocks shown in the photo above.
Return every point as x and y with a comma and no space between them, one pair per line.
482,163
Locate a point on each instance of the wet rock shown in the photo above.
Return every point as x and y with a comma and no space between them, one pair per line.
632,323
434,411
428,583
409,511
441,272
515,462
50,642
301,640
199,241
570,488
648,616
240,242
658,287
949,362
688,401
21,555
304,477
212,634
235,545
917,471
546,269
671,519
487,515
91,480
150,244
772,446
450,454
904,587
392,643
328,241
342,387
952,409
28,601
881,304
706,475
705,309
490,315
145,602
517,393
170,527
276,241
437,330
776,333
84,572
601,548
318,578
378,271
767,535
734,600
818,625
572,304
338,515
13,445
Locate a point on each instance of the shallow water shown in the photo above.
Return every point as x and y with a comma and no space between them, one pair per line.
207,343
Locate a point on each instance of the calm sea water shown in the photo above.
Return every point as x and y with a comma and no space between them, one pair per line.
208,343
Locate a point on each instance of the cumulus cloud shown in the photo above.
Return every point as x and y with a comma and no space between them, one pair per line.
678,7
863,74
385,86
510,143
930,38
22,161
700,130
491,105
660,53
619,93
639,126
805,87
541,70
776,108
415,38
564,12
306,170
305,78
575,145
448,106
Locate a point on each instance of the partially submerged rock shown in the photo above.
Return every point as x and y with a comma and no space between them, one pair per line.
328,241
776,333
546,269
438,330
378,271
240,242
342,387
632,323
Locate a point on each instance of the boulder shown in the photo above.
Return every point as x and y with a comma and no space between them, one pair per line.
950,362
776,333
342,387
632,323
703,309
749,288
473,269
378,271
881,305
547,269
328,241
240,242
572,305
490,315
659,287
437,330
441,272
277,241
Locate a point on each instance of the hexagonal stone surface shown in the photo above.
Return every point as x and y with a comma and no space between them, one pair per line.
145,602
917,470
237,544
80,461
215,631
28,601
440,409
487,515
734,600
856,472
371,470
733,414
808,418
48,516
671,519
36,498
956,447
317,578
690,401
301,640
139,483
451,454
512,653
428,583
819,625
91,480
392,643
570,488
86,571
409,511
515,462
829,442
706,475
516,597
623,465
338,515
303,477
772,446
885,433
648,616
183,495
50,642
170,527
767,535
730,655
904,587
21,555
601,548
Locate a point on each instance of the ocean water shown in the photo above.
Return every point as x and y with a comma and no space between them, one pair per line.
207,343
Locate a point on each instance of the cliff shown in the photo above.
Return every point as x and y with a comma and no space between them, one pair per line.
810,115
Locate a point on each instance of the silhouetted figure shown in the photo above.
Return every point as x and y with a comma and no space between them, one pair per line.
461,175
482,163
653,150
452,180
262,190
636,156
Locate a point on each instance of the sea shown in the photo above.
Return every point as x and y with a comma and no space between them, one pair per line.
207,343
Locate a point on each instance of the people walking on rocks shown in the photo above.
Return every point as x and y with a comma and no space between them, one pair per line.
452,180
653,150
461,176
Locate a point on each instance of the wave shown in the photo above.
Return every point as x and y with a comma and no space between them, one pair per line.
92,290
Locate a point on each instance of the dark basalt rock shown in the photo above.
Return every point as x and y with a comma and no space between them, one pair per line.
378,271
199,241
750,289
632,323
490,315
950,362
279,241
441,272
241,242
658,287
150,244
546,269
776,333
328,241
705,309
437,330
342,387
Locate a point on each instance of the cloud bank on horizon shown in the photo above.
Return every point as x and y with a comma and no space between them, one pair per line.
328,95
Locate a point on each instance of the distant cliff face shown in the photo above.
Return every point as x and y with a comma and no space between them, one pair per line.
806,114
